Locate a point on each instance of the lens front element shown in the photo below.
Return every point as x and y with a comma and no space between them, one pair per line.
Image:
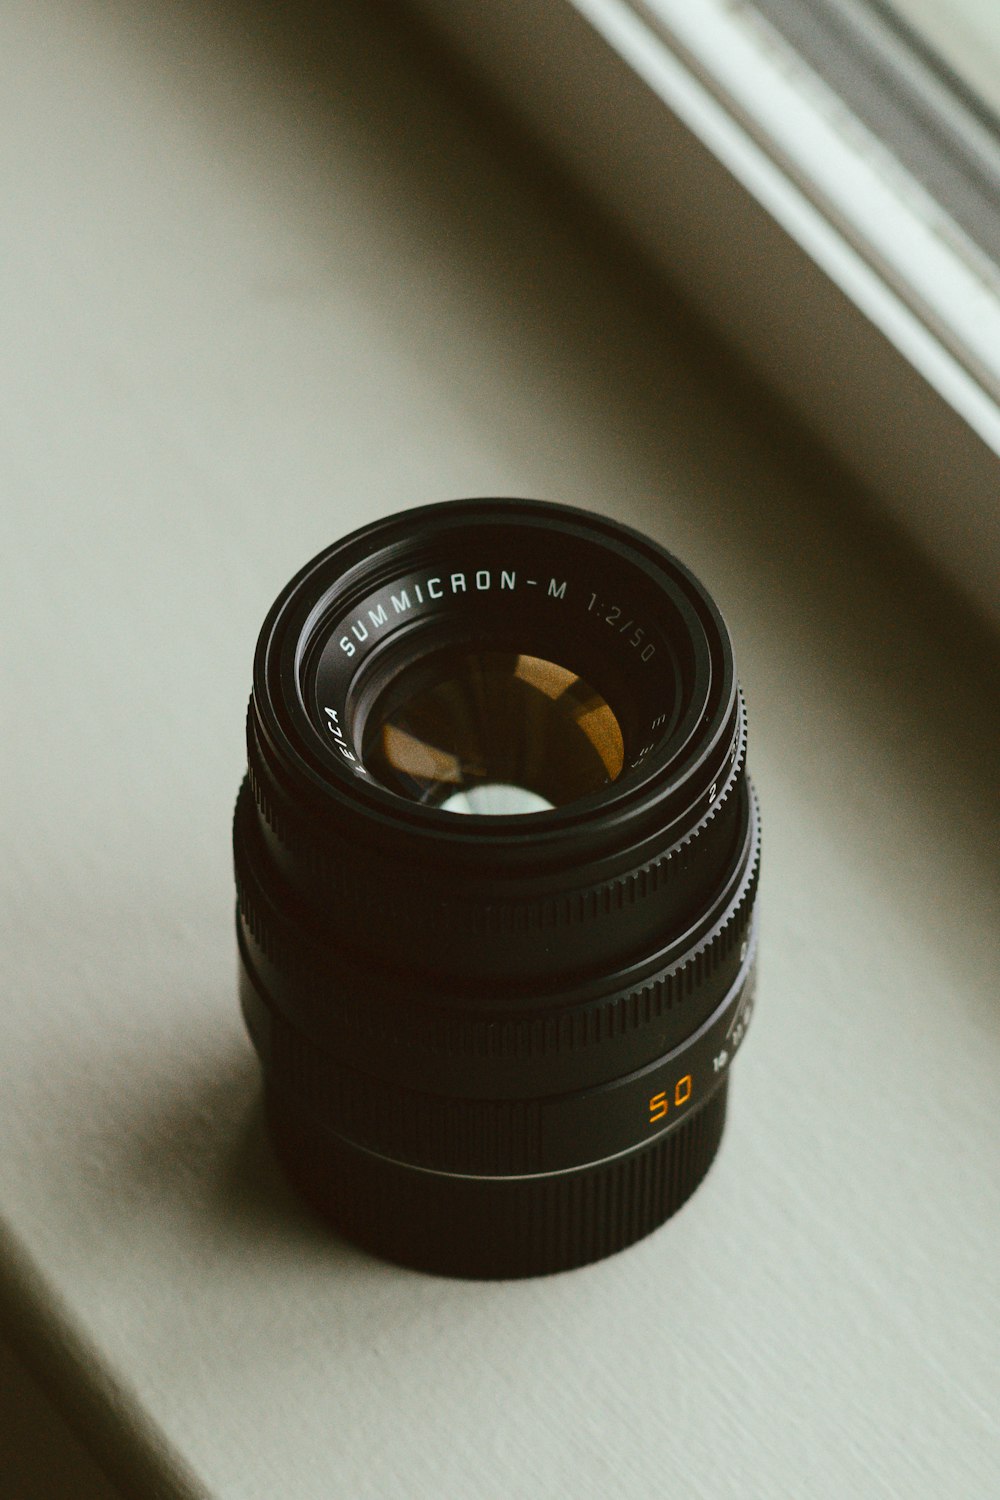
491,732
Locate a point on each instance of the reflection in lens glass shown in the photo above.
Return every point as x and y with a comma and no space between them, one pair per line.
492,732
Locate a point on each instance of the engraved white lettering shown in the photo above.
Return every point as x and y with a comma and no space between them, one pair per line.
334,727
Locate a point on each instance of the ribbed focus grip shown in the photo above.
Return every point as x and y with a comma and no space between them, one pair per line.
397,1025
504,1134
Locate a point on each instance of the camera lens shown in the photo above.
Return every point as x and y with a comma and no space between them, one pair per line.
496,863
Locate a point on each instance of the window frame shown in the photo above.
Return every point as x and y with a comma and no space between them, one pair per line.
867,302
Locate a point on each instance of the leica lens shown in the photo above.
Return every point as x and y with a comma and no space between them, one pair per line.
496,861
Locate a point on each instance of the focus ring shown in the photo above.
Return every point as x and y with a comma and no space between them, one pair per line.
360,1008
502,1135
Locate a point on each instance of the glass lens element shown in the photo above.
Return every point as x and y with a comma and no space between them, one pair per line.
491,732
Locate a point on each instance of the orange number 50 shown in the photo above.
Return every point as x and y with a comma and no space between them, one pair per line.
658,1105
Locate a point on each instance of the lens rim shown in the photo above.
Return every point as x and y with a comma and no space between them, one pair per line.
679,769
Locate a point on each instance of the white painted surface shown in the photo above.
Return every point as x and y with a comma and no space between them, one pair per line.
260,285
966,35
872,229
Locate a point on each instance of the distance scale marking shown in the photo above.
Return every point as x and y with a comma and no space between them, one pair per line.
663,1092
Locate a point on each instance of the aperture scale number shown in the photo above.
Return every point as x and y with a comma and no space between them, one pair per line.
611,614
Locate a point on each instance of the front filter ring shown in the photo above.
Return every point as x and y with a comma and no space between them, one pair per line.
320,829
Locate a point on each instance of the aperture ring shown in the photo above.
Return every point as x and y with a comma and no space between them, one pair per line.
361,1010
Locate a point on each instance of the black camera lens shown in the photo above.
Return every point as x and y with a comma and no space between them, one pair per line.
496,864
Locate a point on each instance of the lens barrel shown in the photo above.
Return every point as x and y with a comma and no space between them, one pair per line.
496,863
